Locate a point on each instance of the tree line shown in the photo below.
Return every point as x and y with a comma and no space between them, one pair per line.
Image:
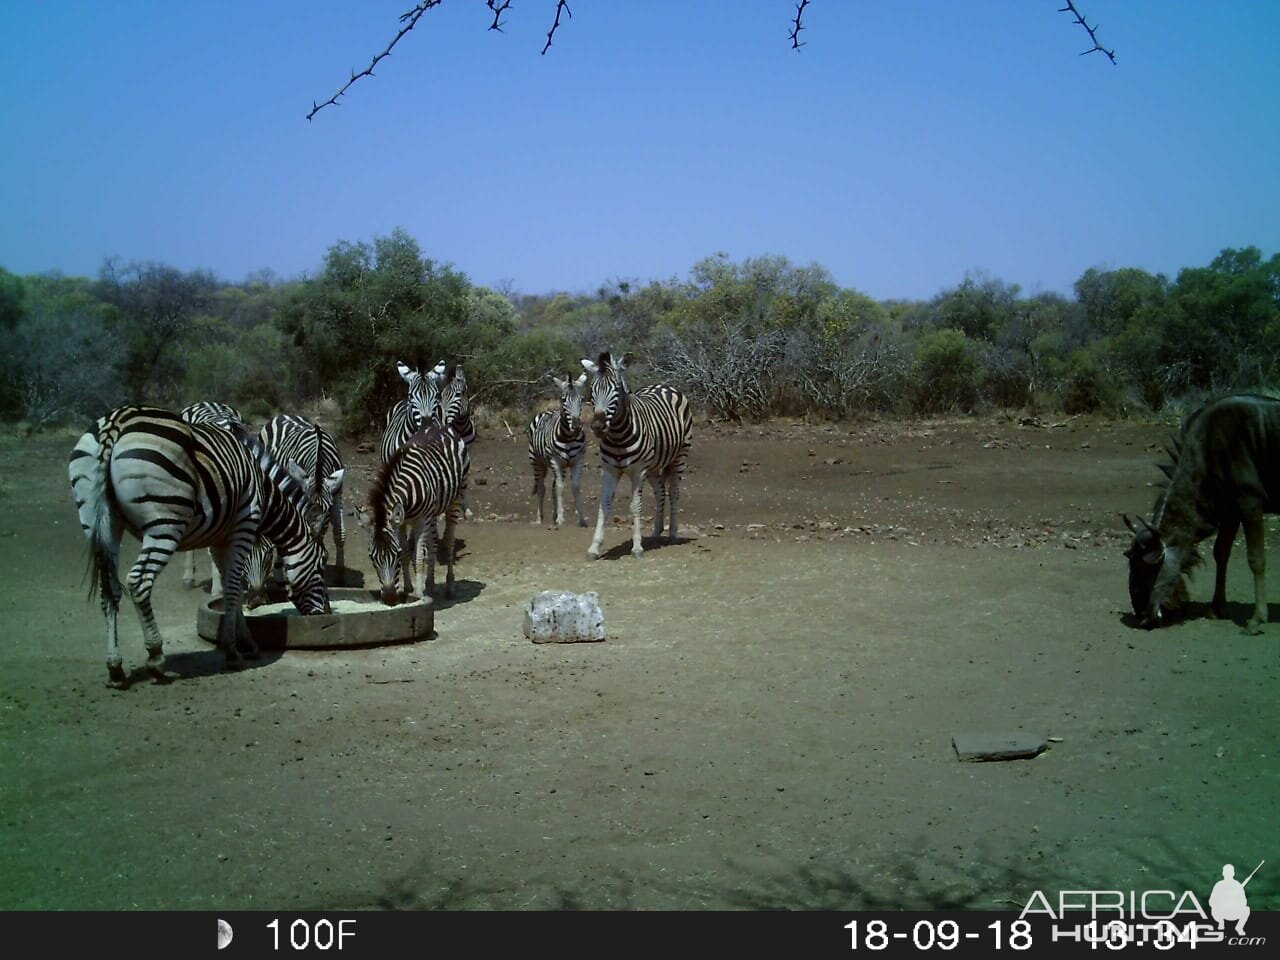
746,340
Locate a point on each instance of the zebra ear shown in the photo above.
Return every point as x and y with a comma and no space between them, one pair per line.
590,367
562,385
581,381
333,482
408,375
296,472
396,514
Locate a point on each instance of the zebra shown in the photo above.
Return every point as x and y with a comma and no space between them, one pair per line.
310,454
424,478
454,411
414,413
645,434
222,415
558,442
181,486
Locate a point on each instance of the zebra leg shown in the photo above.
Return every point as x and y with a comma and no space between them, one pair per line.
156,552
189,569
215,583
540,488
575,481
637,504
233,631
111,590
658,482
339,534
557,482
426,554
673,498
450,525
608,487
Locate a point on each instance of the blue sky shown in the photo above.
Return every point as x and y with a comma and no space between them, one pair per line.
907,145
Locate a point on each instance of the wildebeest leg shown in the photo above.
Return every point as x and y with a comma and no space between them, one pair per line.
1255,534
1221,554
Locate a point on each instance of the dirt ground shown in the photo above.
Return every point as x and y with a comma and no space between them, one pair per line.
768,724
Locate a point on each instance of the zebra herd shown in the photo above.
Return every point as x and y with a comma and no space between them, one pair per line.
199,478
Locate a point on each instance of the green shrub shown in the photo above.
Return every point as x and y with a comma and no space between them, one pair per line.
947,374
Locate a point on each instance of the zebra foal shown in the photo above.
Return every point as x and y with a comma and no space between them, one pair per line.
424,478
180,486
558,443
643,435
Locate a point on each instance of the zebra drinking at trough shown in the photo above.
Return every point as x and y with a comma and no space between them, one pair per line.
644,435
181,486
424,478
222,415
558,443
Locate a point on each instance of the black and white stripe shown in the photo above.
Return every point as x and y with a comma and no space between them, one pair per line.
558,443
181,486
222,415
424,478
455,410
415,412
645,434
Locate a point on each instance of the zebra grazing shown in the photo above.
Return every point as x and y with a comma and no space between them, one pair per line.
455,411
222,415
645,434
414,413
181,486
310,453
558,442
424,478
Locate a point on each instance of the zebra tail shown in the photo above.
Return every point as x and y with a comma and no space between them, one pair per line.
100,504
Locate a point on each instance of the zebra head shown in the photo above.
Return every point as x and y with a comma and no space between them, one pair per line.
387,544
257,570
608,391
571,403
424,394
321,491
453,393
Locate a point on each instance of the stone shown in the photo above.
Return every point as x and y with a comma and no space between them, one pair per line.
558,616
997,746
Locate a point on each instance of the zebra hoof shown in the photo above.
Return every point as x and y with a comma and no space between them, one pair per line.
637,552
1253,628
116,678
188,583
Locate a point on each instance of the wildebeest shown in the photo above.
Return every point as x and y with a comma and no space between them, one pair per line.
1225,473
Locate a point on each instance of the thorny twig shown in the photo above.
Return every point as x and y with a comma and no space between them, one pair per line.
410,20
797,26
1097,47
560,5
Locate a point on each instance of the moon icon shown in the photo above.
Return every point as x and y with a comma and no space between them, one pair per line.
224,934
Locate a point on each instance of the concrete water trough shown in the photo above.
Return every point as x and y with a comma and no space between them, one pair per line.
359,619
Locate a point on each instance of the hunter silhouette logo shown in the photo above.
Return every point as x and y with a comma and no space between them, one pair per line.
1228,902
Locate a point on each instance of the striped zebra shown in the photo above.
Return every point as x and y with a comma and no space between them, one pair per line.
310,454
455,411
558,443
424,478
180,486
645,434
222,415
415,412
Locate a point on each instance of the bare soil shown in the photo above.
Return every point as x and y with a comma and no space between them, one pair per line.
768,724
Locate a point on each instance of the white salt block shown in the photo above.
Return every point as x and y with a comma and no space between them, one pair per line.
558,616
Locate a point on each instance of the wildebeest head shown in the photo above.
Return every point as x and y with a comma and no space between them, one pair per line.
1156,585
